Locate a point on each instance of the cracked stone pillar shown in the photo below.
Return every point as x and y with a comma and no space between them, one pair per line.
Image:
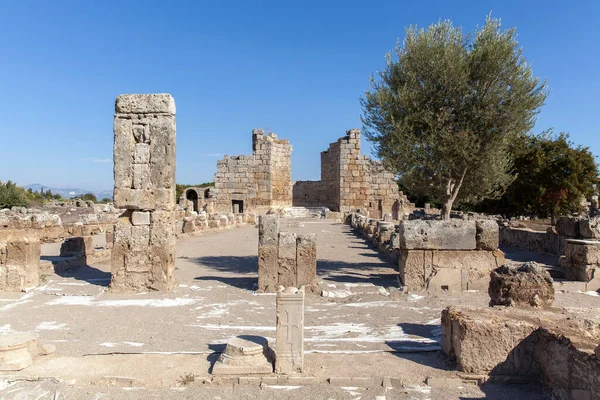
268,262
143,255
290,331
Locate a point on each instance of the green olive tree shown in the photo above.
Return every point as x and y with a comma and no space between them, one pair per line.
446,108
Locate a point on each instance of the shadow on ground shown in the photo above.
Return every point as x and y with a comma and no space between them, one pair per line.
78,270
330,270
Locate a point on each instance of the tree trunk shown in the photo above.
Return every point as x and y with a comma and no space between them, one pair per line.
452,189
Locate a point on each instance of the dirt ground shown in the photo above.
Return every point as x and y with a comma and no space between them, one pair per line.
144,345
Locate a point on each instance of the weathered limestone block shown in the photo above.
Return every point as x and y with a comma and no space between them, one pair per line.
80,246
19,262
290,331
268,260
582,260
287,269
245,355
589,228
438,235
526,284
145,104
482,342
306,260
568,226
488,234
452,270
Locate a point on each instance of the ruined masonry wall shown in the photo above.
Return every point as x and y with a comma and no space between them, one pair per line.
350,181
143,255
262,179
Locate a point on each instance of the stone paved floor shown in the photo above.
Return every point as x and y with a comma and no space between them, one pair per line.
365,328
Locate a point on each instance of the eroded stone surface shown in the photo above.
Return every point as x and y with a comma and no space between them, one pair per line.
290,331
143,254
438,235
17,351
526,284
245,355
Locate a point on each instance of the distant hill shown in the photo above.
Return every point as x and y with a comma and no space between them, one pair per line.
70,193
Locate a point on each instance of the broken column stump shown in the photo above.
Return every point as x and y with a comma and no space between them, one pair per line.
290,331
285,258
143,255
527,284
245,355
17,350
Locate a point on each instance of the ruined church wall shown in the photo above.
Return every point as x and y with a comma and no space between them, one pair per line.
310,194
364,183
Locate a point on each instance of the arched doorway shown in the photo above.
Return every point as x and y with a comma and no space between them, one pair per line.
192,195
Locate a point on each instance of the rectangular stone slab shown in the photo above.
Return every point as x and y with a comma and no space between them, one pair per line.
438,235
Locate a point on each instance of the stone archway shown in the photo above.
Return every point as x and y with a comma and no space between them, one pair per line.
192,195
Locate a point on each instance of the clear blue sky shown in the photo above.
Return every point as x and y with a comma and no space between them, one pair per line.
297,68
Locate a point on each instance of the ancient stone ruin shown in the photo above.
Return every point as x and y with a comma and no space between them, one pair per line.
245,355
350,180
19,259
527,284
143,254
257,182
284,258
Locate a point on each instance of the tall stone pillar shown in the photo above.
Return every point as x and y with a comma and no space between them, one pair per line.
290,331
143,255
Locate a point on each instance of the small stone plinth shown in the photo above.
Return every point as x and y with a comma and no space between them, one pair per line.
245,355
16,350
526,284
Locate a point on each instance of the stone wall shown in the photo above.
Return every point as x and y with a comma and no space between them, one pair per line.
143,255
540,242
438,255
256,182
350,181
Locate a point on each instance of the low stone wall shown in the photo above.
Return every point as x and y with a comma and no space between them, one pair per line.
539,242
450,255
190,223
556,348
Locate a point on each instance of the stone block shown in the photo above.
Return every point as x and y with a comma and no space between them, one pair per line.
140,218
447,269
268,267
287,245
480,342
526,284
145,104
488,234
80,246
568,226
290,331
589,228
268,230
438,235
306,260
